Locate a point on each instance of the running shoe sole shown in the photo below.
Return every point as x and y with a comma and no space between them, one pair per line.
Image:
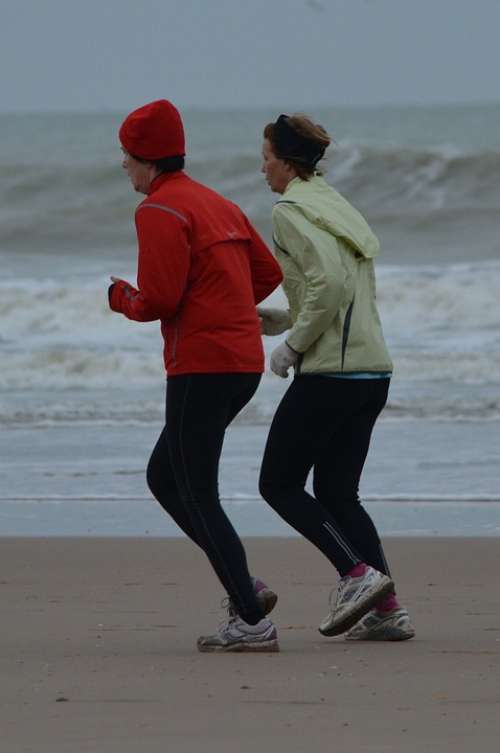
262,647
396,626
384,634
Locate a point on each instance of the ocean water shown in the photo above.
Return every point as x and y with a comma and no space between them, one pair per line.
427,181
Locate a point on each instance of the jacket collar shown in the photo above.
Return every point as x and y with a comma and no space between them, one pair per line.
294,182
165,178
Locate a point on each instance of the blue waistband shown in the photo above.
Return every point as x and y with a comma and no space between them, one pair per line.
361,375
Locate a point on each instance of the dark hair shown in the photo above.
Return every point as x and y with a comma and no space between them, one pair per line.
166,164
169,164
299,141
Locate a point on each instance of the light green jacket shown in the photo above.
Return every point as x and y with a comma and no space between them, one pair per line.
325,249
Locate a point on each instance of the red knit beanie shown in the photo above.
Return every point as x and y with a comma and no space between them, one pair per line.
153,131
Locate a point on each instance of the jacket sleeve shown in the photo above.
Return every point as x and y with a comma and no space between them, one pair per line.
163,267
317,257
265,270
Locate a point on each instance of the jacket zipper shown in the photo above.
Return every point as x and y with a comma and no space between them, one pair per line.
345,332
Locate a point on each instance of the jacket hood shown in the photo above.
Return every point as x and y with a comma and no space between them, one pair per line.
327,209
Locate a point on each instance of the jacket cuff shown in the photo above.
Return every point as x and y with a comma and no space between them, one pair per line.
116,292
292,348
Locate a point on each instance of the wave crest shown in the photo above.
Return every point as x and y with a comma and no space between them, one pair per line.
55,206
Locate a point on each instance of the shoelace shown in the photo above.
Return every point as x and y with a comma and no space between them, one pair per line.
232,614
336,593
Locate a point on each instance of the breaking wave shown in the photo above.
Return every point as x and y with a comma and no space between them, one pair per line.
53,207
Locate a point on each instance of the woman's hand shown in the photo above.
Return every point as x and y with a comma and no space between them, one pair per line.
282,359
274,321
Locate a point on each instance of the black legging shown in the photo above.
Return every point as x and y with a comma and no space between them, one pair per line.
183,473
325,423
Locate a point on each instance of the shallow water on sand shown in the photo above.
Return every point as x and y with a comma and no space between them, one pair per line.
421,478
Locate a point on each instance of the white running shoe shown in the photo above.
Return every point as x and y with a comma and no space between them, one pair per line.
354,598
237,635
383,626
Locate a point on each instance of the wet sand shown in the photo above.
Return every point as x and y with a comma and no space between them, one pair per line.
98,654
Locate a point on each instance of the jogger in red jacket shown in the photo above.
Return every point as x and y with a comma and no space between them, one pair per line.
202,268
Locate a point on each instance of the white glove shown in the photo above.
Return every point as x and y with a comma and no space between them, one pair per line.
282,358
274,321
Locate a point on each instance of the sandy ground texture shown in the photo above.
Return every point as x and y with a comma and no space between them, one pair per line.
98,654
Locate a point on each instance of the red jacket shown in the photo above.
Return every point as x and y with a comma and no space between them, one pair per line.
202,269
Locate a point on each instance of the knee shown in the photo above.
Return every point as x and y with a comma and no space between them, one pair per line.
267,488
335,490
276,492
341,501
153,479
158,479
346,509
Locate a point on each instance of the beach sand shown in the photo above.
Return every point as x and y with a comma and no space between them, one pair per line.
98,653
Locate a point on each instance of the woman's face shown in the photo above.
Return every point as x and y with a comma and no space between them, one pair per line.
140,173
278,173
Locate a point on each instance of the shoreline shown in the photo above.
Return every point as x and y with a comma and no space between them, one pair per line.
90,481
141,517
98,652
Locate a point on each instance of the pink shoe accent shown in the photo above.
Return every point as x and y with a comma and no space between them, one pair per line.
358,570
388,604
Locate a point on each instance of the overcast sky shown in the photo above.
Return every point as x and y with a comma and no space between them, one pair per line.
117,54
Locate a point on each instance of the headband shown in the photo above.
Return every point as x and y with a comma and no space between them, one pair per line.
292,145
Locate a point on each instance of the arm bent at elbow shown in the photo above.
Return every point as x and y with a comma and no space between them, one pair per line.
163,268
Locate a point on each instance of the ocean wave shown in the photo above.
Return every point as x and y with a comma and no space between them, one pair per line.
443,302
52,206
459,295
84,408
64,368
434,178
441,323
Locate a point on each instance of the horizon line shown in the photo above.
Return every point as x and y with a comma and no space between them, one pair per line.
247,108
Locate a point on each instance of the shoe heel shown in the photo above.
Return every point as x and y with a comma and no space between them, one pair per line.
267,600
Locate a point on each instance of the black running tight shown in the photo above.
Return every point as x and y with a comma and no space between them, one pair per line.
325,424
183,473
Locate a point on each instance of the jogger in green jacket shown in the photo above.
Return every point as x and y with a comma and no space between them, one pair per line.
342,371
